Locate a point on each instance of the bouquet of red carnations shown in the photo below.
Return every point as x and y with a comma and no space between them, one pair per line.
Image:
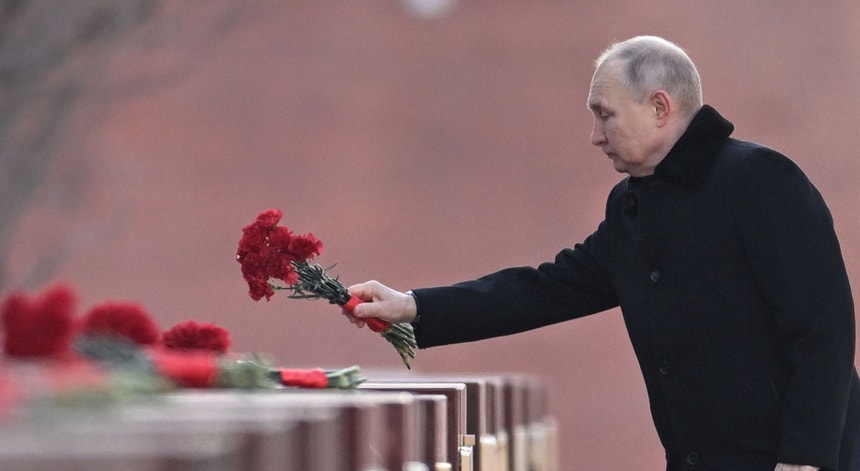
268,252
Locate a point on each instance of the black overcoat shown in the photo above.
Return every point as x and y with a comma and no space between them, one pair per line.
729,275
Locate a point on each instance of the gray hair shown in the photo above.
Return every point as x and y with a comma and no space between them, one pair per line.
652,63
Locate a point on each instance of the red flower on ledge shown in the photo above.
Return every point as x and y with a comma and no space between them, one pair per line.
193,335
128,320
39,325
268,252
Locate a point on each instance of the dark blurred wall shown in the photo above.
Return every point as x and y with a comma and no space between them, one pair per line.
422,151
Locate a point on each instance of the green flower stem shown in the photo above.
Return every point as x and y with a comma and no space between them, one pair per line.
315,283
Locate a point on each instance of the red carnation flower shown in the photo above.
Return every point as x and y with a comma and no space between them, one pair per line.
267,251
279,238
305,247
192,335
41,325
269,217
122,319
253,253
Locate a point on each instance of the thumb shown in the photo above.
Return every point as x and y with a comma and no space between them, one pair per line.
365,291
366,309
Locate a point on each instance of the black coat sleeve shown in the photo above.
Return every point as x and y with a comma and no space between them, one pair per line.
514,300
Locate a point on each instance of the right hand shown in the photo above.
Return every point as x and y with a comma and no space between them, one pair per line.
383,303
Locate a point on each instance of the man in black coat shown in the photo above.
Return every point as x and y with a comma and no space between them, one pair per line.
724,261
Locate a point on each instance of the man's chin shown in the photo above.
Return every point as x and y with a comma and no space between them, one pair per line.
619,166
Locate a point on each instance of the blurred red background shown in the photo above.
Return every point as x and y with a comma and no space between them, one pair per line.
422,150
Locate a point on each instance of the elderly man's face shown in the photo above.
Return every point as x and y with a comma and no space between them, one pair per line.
623,128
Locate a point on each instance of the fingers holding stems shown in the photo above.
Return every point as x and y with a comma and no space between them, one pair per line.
383,303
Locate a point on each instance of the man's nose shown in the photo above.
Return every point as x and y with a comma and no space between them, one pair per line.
597,136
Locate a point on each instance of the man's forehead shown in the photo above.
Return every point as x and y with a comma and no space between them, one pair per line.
597,92
605,79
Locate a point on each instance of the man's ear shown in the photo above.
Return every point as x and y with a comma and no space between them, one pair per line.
663,107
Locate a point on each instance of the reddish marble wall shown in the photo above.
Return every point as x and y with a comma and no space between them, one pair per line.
421,152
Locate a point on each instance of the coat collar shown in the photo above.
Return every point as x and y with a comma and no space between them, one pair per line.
690,159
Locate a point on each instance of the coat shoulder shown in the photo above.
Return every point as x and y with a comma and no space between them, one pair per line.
748,163
750,156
